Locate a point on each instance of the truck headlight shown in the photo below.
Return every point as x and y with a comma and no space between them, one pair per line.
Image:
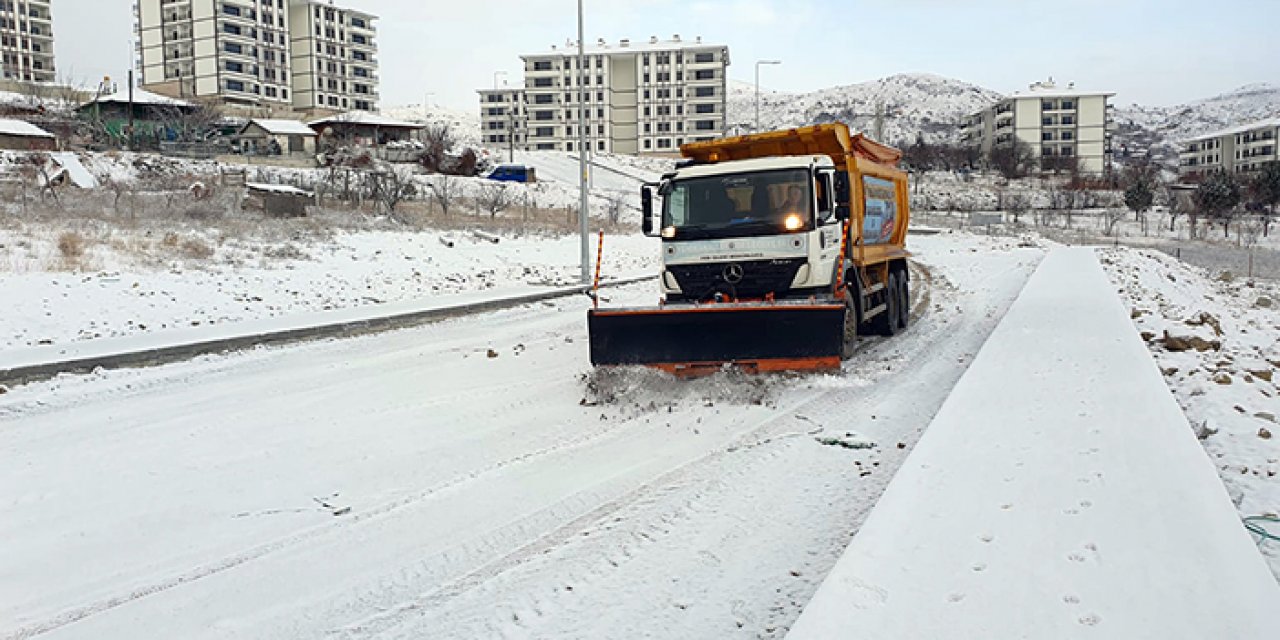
793,222
668,232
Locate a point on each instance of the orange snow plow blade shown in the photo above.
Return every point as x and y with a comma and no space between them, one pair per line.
701,339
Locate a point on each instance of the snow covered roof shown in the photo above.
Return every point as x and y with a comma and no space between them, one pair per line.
22,128
1260,124
570,48
282,127
277,188
141,97
1060,93
364,118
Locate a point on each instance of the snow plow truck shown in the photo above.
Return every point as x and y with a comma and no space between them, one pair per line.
779,249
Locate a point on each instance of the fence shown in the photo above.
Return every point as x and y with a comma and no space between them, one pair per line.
1245,253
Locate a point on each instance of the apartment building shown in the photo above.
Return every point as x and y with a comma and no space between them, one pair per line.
504,118
335,58
640,98
284,55
1064,127
1237,150
233,50
26,41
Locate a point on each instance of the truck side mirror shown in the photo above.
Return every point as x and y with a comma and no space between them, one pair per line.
842,196
842,188
646,206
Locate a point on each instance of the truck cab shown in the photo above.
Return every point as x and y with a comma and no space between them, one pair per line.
749,229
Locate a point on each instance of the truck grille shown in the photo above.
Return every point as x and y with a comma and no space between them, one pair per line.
759,278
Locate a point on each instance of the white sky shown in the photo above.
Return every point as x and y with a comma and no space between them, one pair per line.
1155,52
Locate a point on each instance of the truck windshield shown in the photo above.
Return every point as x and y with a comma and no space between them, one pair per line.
741,204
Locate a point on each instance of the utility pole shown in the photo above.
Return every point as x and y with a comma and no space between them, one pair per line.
758,63
131,123
584,204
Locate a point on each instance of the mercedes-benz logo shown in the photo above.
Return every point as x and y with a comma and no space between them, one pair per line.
733,273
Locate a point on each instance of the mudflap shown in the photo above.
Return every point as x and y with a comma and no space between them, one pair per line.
704,338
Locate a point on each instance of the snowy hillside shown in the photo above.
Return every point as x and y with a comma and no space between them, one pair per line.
1162,128
915,103
934,106
465,124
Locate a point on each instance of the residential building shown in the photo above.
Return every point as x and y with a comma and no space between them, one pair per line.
283,55
640,98
504,118
232,50
1239,149
335,58
1066,128
26,41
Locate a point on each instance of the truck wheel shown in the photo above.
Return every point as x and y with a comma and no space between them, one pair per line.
904,302
886,324
849,335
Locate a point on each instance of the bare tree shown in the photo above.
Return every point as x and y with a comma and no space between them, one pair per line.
190,124
390,188
614,205
495,197
444,191
1265,189
1014,160
438,140
1016,204
1175,207
1111,216
1218,196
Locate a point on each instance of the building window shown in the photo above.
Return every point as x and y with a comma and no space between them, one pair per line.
542,65
704,74
664,143
705,125
703,58
704,92
705,108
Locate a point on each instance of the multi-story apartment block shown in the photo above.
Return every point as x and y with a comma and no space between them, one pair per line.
284,54
233,50
1236,150
335,58
26,40
639,98
504,118
1063,127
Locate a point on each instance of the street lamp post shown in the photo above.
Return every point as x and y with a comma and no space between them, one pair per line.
583,205
758,63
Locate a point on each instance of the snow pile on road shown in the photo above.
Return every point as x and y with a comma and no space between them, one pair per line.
245,279
1218,343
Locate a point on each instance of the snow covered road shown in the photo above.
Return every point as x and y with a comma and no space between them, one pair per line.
409,485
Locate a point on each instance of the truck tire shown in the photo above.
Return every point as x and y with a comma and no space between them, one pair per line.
852,322
886,324
904,302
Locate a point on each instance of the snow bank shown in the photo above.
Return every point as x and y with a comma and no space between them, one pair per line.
1058,492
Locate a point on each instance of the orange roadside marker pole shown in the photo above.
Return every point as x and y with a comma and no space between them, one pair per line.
595,293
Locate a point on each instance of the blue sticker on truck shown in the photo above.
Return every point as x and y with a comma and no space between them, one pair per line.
881,210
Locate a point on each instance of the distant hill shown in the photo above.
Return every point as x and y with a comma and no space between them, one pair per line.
1161,128
917,103
934,106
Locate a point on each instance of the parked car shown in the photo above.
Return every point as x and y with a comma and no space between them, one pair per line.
513,173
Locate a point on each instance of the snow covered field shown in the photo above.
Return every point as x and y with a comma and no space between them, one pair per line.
248,280
409,485
1218,344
